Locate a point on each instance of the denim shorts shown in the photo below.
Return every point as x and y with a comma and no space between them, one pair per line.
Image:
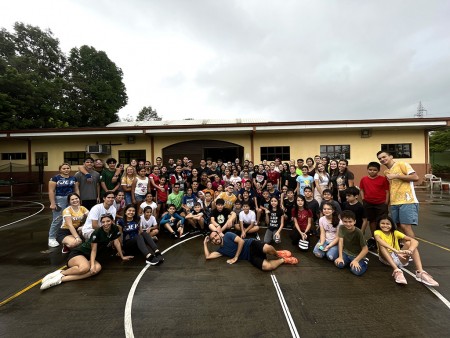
405,213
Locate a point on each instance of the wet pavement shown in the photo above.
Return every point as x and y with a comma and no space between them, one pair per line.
188,296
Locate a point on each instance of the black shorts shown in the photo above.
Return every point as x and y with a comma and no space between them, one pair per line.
62,233
257,255
374,211
74,253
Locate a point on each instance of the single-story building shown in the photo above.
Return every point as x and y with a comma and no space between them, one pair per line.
357,141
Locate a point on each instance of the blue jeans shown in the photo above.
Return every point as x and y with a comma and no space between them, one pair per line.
348,259
128,199
331,254
61,202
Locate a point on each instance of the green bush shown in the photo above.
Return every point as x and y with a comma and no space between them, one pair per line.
440,169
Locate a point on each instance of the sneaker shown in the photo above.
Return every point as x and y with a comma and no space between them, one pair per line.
53,243
284,253
174,235
425,278
55,280
290,260
399,277
257,237
51,275
152,260
65,249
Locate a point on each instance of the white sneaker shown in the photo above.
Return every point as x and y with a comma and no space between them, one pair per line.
51,275
53,243
56,280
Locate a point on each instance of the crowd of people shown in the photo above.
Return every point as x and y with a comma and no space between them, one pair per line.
230,203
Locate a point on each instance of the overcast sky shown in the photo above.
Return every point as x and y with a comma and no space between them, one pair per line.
280,60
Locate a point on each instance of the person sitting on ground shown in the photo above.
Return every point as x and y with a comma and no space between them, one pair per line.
222,219
328,224
135,239
173,222
288,204
387,237
274,221
247,221
148,223
352,245
328,198
196,219
93,219
188,201
302,217
73,217
82,261
249,249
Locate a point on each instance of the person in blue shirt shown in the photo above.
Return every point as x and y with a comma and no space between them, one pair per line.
249,249
135,239
173,222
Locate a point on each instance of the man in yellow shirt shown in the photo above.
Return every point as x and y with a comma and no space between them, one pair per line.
404,205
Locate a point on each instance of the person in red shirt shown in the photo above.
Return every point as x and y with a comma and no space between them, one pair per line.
374,190
273,175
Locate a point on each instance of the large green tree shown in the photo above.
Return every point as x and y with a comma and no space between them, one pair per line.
41,88
97,91
31,79
440,140
148,114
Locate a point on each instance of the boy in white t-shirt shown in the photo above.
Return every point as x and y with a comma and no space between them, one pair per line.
148,223
247,221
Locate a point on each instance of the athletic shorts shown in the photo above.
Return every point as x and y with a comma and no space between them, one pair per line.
375,211
257,255
405,213
62,233
74,253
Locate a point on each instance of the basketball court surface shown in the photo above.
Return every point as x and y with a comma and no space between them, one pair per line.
188,296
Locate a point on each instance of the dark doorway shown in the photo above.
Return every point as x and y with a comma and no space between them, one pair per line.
198,149
225,154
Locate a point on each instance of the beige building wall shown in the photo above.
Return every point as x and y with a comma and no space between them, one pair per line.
302,145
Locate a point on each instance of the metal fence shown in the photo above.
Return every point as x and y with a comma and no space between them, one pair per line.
20,178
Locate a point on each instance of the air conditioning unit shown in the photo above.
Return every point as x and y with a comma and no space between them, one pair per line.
98,149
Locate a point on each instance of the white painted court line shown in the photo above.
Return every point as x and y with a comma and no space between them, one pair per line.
285,308
432,289
42,208
128,322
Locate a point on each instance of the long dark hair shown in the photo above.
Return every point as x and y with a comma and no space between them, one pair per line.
305,205
383,217
334,216
125,218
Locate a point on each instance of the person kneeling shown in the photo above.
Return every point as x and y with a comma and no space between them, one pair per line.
352,246
252,250
82,259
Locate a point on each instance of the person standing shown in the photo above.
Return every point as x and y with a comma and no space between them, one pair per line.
404,205
89,184
59,187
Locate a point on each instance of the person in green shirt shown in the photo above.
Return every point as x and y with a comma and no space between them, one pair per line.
82,261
